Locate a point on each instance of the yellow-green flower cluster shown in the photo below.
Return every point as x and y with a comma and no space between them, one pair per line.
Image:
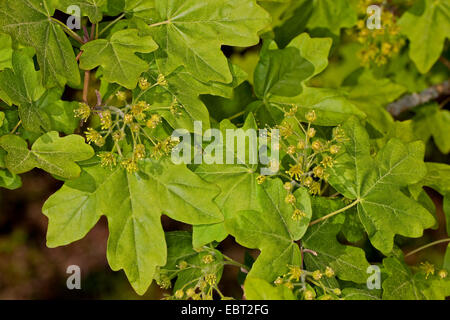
126,130
379,45
308,285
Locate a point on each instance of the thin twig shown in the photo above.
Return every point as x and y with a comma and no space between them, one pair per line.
87,75
236,115
427,246
445,62
79,55
111,24
16,127
415,99
159,23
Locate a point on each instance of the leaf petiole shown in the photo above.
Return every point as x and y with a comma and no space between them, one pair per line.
335,212
110,25
427,246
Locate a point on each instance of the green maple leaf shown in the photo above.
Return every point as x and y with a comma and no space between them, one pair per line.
272,229
90,8
426,25
60,113
373,102
117,56
39,110
260,289
332,106
234,180
402,284
281,72
438,178
49,152
375,185
349,263
29,22
292,21
133,204
22,86
333,15
185,89
446,264
431,121
315,50
144,9
8,180
191,33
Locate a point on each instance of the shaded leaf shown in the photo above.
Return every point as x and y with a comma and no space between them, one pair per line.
51,153
117,56
29,23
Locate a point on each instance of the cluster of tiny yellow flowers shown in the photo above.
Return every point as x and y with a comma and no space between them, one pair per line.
201,288
309,155
379,45
300,281
429,270
128,124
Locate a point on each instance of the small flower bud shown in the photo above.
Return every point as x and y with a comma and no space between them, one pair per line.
153,122
182,265
161,80
287,186
295,272
290,150
121,96
308,181
260,179
337,291
144,84
317,275
311,132
298,214
179,294
329,272
443,274
290,198
190,292
301,144
309,295
83,111
278,281
128,118
316,146
139,151
211,279
118,136
334,149
289,285
318,171
311,116
207,259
